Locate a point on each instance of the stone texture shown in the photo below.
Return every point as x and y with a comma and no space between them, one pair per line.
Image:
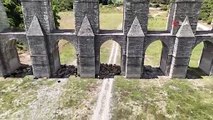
136,8
179,10
42,38
182,50
135,42
38,49
89,8
86,48
4,24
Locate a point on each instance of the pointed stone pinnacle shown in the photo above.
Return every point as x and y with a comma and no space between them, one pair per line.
185,29
86,29
135,30
35,28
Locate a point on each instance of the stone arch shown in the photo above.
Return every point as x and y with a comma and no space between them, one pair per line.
121,44
110,46
162,63
205,59
162,44
12,53
64,44
98,54
148,42
12,59
63,52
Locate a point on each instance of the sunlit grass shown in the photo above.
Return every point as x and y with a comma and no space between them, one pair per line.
15,94
161,99
78,98
67,52
153,54
196,55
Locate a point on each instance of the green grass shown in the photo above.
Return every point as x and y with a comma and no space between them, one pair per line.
157,23
105,51
15,94
67,52
196,55
169,100
153,54
78,98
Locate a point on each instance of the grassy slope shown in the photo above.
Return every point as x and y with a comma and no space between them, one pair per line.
78,99
16,94
163,99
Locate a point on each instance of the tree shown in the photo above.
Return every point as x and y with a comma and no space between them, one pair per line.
15,15
56,10
206,13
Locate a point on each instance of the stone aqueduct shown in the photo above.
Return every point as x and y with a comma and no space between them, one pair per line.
42,38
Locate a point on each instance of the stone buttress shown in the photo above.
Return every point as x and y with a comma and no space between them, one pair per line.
86,48
184,42
38,49
42,11
134,56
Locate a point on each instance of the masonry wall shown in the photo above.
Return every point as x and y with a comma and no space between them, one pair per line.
42,38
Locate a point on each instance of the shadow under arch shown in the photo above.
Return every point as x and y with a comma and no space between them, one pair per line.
155,59
17,61
201,60
67,58
109,57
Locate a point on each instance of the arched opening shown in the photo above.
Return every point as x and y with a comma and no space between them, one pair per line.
111,16
110,59
68,59
155,55
200,61
17,59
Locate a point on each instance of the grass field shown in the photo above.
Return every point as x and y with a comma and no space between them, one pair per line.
162,99
76,100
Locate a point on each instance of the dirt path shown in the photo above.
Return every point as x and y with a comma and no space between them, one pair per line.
102,110
45,106
47,102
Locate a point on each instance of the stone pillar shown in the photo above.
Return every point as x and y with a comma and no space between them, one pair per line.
166,58
40,8
38,49
89,8
170,16
179,10
4,24
135,42
136,8
206,62
43,11
182,50
86,48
